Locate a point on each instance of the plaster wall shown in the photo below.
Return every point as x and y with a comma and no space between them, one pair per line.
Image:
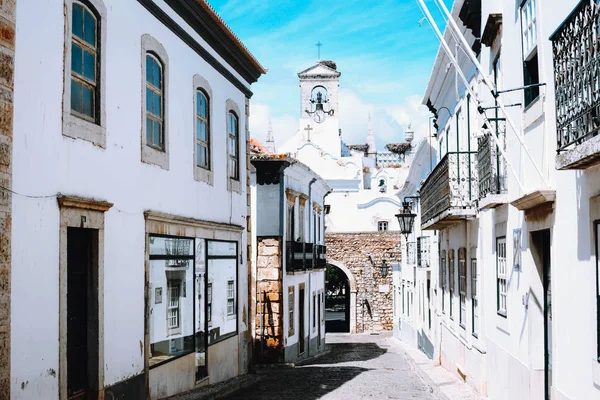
47,163
268,214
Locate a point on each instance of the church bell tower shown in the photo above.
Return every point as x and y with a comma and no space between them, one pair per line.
319,101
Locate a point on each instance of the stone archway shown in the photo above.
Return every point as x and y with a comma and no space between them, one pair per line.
353,291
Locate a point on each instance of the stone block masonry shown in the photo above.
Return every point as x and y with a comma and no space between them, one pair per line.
7,64
353,250
269,306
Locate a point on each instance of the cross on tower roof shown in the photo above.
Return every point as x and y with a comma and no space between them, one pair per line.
319,44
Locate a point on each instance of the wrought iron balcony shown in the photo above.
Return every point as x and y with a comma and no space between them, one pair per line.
450,192
576,53
302,256
491,171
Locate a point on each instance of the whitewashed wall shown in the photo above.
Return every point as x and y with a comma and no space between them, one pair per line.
46,163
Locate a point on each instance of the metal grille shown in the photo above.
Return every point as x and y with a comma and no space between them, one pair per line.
453,184
491,168
576,50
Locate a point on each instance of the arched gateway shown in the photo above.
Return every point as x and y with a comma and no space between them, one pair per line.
352,289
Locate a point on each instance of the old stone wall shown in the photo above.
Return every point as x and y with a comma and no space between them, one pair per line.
7,55
268,341
353,250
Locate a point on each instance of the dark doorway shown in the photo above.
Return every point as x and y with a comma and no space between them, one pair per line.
337,300
82,313
301,342
541,246
319,322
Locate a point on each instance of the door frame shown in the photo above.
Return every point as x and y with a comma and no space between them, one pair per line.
77,212
301,318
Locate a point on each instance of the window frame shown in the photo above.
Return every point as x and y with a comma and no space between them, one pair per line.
462,290
92,49
443,279
503,312
382,226
76,125
291,309
234,183
151,154
209,295
230,298
474,299
174,284
160,92
529,52
203,174
451,274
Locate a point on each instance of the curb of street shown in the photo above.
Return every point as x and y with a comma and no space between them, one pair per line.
433,388
313,358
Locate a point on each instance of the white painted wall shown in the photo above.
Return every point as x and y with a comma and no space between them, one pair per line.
46,163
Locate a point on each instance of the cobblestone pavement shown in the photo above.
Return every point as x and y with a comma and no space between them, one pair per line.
357,367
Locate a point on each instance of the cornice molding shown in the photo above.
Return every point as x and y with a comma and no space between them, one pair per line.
83,203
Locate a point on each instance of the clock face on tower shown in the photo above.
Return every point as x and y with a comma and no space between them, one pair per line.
319,116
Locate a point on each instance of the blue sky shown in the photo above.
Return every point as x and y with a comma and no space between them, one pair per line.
384,55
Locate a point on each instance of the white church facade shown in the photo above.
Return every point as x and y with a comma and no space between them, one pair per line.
361,229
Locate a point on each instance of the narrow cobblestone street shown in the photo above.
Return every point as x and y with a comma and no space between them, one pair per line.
356,367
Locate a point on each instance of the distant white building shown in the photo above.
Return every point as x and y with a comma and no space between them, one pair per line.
289,272
131,124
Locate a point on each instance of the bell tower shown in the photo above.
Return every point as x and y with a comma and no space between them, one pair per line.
319,102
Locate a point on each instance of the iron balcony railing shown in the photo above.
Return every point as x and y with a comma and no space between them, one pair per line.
491,168
453,184
576,53
302,256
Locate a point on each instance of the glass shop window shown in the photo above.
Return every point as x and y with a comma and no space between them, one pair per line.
171,287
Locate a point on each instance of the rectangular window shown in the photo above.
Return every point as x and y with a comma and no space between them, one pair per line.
84,63
443,279
530,56
233,134
230,298
403,307
301,224
291,305
290,222
451,283
474,300
382,226
501,281
209,301
173,309
221,269
154,103
462,287
202,130
314,310
172,324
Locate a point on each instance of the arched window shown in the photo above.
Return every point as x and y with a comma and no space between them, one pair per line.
154,102
382,185
202,130
233,145
84,63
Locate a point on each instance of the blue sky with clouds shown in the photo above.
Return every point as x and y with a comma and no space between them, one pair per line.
384,54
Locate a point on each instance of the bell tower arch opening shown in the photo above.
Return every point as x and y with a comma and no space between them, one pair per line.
340,299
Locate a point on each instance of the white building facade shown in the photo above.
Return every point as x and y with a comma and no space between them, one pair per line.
129,171
289,272
517,232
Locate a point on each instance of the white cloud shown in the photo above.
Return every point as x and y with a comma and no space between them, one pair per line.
284,126
411,111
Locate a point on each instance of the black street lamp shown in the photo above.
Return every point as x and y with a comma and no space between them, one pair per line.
384,269
406,218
